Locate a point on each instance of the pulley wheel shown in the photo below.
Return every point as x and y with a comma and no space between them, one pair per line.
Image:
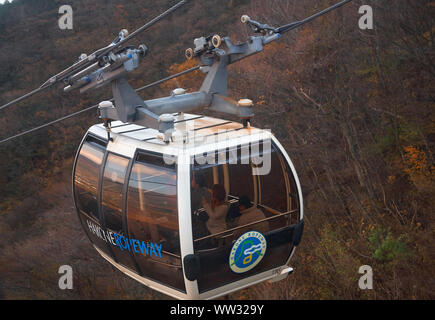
216,41
189,53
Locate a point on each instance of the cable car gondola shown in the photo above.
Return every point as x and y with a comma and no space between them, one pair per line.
192,206
136,193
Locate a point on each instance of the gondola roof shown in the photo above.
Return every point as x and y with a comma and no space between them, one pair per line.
208,130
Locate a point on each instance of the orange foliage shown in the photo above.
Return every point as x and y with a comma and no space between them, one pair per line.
190,81
418,169
416,161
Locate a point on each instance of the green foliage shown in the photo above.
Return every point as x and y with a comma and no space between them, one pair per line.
409,133
368,70
332,264
385,141
386,248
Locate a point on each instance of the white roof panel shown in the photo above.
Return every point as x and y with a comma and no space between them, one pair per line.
193,134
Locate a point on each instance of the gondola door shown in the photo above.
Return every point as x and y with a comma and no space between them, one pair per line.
251,237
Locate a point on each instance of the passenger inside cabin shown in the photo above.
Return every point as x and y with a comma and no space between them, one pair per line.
217,209
233,215
199,191
250,214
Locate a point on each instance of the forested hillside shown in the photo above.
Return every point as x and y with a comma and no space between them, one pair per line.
353,108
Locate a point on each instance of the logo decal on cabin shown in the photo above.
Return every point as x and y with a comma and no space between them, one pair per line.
247,251
124,243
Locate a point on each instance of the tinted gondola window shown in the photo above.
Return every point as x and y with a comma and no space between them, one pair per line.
152,214
278,191
113,182
258,202
274,195
114,176
86,176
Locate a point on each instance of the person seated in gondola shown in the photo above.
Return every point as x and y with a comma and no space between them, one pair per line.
233,215
198,192
250,214
217,209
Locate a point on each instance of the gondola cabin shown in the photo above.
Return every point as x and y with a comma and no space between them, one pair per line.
215,210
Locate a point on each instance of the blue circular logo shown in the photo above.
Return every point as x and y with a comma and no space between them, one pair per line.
247,251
